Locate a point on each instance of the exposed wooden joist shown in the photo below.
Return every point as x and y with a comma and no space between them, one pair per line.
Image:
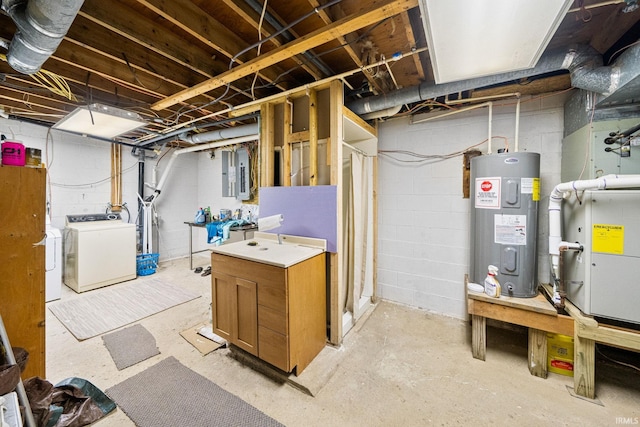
206,29
143,31
346,41
252,18
412,44
368,16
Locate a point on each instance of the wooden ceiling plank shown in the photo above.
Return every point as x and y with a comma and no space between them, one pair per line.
140,30
346,41
33,102
406,23
252,18
204,28
99,65
370,15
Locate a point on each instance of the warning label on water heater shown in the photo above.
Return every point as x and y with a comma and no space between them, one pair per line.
488,193
510,229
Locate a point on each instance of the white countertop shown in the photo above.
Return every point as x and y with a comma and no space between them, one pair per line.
266,249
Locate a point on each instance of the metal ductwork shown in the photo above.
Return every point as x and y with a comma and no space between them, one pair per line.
619,82
41,26
215,135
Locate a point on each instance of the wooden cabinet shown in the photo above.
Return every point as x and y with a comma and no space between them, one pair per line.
22,263
277,314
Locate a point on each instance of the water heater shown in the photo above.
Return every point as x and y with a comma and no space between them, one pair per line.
504,220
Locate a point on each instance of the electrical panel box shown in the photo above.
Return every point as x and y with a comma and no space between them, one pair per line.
602,280
236,174
587,145
243,177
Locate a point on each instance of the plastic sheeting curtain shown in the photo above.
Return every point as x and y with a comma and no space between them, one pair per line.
358,235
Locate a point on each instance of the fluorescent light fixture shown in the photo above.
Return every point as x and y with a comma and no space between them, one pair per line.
100,120
475,38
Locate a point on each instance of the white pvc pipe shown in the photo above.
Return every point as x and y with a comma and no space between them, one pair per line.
515,148
561,191
201,147
490,136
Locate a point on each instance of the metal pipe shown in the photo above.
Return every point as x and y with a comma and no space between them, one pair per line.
219,134
294,90
583,63
41,25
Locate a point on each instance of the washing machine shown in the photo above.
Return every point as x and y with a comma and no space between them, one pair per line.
99,250
53,262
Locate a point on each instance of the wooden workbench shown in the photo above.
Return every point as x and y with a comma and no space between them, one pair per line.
535,313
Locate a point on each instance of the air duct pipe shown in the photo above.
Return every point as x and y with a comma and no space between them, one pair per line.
583,63
559,193
174,156
41,26
216,135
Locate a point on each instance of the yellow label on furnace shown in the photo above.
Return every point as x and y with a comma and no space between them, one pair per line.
536,190
607,238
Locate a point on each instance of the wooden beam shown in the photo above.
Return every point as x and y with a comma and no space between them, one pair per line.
194,21
253,18
313,137
267,144
346,41
116,177
301,136
350,115
336,266
370,15
412,42
286,147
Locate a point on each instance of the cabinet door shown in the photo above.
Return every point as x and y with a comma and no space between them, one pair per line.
247,316
223,304
235,310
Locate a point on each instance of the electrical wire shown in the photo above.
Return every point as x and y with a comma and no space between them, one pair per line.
283,29
50,81
628,365
255,77
429,158
91,184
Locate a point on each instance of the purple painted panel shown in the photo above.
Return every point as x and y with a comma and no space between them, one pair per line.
307,211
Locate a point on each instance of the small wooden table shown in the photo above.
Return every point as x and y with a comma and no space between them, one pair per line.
535,313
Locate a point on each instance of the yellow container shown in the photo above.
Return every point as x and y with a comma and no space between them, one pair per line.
560,354
560,346
560,366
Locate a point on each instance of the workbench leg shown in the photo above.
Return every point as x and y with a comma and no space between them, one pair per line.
584,372
478,336
537,352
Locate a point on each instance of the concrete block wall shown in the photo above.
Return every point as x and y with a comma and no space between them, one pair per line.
79,170
423,219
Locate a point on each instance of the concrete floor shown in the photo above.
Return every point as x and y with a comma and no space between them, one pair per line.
400,367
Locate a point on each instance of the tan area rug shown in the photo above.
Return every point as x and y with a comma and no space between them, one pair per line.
106,309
